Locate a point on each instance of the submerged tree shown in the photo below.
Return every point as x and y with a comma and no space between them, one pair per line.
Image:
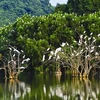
14,64
80,57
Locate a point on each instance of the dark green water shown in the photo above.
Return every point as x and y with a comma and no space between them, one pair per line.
49,87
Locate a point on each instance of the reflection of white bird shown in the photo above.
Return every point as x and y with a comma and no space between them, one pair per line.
17,95
28,89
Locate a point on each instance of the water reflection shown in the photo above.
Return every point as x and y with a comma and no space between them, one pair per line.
50,87
13,90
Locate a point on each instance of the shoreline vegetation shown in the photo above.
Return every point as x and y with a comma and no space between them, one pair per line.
37,40
55,42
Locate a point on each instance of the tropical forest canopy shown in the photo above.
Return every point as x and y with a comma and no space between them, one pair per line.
35,34
79,6
12,9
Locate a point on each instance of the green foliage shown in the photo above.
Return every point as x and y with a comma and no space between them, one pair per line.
79,6
12,9
60,7
35,34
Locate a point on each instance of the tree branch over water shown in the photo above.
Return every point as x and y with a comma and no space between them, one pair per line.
14,64
80,57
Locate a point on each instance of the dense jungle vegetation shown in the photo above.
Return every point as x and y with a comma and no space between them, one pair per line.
12,9
79,6
35,34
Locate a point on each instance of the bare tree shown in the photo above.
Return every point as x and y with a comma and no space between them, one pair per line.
14,64
80,57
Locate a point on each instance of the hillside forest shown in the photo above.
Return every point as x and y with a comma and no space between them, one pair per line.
10,10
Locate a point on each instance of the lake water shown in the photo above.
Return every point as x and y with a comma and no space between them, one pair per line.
49,87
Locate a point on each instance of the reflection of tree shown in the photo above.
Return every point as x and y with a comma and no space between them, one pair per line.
58,77
76,90
55,89
15,89
51,87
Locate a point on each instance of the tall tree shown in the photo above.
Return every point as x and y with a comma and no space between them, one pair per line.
81,6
